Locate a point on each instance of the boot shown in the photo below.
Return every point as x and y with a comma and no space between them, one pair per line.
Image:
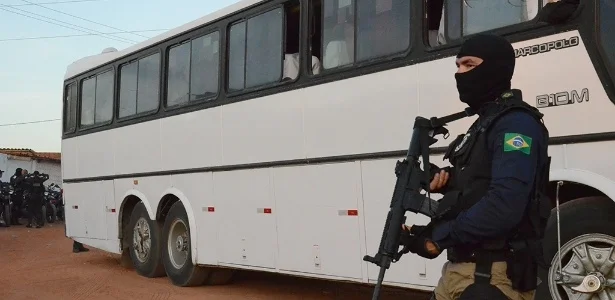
78,247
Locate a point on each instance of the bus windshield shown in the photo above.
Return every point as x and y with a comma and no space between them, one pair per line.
607,36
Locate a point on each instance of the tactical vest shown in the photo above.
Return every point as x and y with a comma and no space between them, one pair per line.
17,187
471,158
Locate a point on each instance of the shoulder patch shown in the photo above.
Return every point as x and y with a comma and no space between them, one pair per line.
517,142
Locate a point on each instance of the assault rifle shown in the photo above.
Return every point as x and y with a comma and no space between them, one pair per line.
406,195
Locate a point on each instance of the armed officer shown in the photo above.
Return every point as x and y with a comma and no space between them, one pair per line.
17,182
36,190
494,209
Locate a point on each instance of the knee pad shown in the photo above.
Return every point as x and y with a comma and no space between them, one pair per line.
482,291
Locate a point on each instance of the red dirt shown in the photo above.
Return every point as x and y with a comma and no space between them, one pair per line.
39,264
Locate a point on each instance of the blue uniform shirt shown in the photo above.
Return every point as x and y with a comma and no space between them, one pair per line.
513,172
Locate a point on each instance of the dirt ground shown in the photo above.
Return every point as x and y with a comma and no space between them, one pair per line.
39,264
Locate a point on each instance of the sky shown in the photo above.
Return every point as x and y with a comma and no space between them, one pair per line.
32,70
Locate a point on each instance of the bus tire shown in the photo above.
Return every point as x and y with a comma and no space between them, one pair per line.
177,253
220,276
145,249
582,216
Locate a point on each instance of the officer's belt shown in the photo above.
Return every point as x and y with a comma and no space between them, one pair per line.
456,255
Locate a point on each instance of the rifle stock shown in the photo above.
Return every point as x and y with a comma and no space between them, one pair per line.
406,194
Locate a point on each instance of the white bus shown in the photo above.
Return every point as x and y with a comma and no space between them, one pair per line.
264,136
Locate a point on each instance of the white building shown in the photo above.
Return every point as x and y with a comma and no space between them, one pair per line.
43,162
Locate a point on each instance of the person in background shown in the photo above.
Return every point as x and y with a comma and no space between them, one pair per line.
16,181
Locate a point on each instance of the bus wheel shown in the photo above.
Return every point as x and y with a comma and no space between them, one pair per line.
177,254
145,243
220,276
587,230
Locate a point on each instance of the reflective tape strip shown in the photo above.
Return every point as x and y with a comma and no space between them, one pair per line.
209,209
263,210
75,207
110,210
348,212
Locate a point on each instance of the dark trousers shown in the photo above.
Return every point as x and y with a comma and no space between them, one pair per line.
17,207
35,210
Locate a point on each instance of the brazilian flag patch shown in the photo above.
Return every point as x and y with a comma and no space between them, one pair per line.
517,142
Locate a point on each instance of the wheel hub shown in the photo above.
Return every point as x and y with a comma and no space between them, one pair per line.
587,268
591,283
178,243
181,243
141,240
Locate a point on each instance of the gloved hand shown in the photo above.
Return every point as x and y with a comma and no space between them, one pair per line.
558,12
418,241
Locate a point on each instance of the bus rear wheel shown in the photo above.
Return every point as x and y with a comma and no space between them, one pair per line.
145,244
177,252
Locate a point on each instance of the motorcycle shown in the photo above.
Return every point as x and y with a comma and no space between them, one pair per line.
51,203
59,196
6,204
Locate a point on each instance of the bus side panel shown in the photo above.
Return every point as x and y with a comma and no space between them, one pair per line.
137,148
199,191
75,222
192,140
95,154
316,232
112,210
246,210
572,90
94,208
69,158
250,128
378,183
579,156
370,113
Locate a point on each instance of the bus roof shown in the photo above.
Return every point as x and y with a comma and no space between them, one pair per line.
90,62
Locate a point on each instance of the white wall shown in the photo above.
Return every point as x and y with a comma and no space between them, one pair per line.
18,162
54,170
9,164
4,167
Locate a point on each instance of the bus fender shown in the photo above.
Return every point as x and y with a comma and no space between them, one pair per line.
141,196
597,181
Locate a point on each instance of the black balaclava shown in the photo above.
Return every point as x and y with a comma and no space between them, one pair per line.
487,81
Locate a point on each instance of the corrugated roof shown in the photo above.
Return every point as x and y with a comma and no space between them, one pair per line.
23,152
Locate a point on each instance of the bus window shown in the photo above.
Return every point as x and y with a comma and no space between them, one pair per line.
193,70
291,48
255,50
204,66
607,37
103,110
383,28
70,108
465,17
178,84
88,89
128,89
148,83
97,99
139,86
354,31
